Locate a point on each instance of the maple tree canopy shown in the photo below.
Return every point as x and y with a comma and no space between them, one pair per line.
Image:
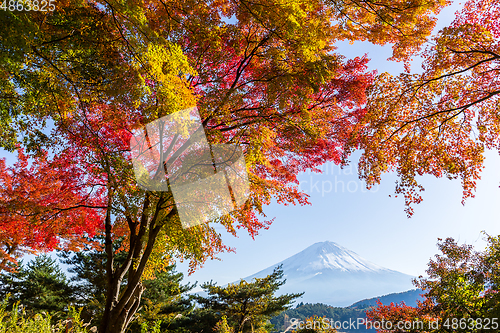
460,293
441,121
264,75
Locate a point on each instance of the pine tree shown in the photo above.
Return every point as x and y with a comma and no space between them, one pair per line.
89,270
248,306
40,286
162,299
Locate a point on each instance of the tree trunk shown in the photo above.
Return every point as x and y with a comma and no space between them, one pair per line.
123,303
118,318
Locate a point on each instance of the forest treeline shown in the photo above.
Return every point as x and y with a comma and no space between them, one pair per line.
42,287
461,284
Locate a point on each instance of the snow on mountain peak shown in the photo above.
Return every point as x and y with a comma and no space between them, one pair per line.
329,273
330,256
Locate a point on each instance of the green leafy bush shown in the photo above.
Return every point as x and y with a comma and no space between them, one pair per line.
17,321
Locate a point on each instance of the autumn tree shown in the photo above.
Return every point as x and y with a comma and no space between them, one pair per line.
460,292
163,298
77,81
87,268
441,121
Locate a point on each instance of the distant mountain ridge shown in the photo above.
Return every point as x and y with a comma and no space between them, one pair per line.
351,313
334,275
409,297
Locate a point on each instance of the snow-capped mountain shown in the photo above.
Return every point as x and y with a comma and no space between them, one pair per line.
331,274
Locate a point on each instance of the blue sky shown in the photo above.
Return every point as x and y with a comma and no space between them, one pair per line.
369,223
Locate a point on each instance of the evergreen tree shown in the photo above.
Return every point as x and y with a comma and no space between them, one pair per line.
89,279
303,312
162,299
40,286
248,306
10,283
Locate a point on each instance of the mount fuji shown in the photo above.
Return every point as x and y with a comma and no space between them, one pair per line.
331,274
